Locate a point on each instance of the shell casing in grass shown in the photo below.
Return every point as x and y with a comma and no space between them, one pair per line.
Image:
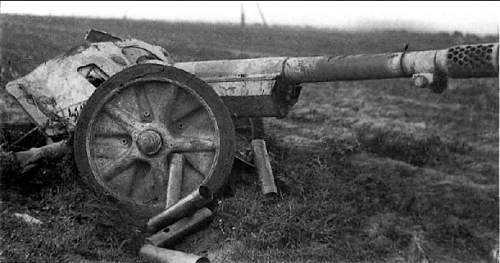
162,255
261,158
195,200
179,229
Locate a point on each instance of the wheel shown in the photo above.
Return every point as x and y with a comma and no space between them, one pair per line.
133,124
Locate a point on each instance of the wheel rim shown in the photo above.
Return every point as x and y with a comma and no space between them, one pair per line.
136,128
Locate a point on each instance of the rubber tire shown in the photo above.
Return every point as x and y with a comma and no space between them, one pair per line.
223,118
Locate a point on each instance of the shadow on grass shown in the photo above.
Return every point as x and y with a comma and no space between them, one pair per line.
415,149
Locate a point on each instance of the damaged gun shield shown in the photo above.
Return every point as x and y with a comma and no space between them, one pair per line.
185,206
162,255
179,229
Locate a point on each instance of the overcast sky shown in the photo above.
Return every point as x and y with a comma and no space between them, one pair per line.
474,17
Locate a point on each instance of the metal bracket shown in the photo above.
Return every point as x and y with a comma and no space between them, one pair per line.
434,81
285,95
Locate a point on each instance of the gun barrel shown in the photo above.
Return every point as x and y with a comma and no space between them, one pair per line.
464,61
468,61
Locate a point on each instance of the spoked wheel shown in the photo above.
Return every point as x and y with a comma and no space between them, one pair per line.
137,121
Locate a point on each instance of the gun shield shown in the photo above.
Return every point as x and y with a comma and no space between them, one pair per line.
261,158
185,206
177,230
162,255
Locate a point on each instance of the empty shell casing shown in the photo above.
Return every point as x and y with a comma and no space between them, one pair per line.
261,159
179,229
174,179
198,198
162,255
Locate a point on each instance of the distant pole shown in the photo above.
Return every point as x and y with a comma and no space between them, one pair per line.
242,24
242,16
261,15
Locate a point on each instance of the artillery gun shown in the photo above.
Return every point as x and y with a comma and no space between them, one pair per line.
136,117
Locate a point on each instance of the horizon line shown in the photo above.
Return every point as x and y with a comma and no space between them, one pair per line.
408,25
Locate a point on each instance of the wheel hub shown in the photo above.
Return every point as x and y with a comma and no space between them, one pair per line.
149,142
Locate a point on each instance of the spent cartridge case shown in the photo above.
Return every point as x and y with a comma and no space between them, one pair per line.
198,198
261,158
161,255
179,229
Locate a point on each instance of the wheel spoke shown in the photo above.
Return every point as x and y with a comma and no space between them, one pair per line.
159,174
175,174
190,163
118,165
193,144
111,135
106,127
107,151
189,113
122,117
166,108
144,105
132,186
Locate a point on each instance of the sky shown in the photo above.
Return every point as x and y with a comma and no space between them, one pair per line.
469,17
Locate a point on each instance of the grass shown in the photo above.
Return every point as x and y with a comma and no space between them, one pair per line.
74,222
376,169
428,150
333,210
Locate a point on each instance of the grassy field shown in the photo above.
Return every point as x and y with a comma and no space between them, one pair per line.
368,171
